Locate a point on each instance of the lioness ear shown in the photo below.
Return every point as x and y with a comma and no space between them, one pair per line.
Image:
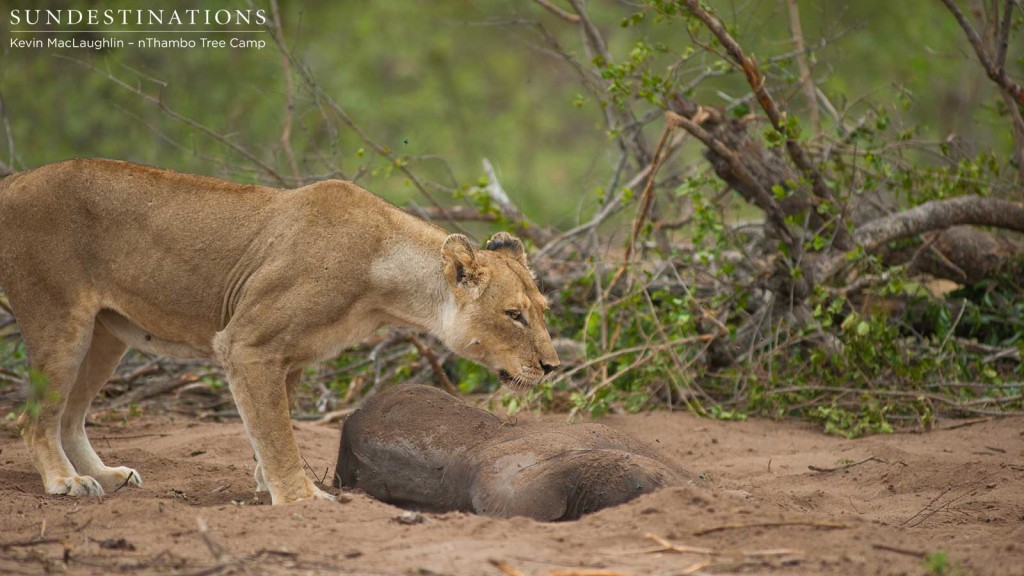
510,245
461,269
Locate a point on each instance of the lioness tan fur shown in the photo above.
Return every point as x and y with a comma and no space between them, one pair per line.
100,255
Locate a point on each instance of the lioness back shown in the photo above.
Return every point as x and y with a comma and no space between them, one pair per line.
168,246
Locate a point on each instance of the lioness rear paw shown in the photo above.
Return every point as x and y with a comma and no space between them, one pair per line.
75,486
113,479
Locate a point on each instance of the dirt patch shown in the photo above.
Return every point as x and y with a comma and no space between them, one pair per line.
873,506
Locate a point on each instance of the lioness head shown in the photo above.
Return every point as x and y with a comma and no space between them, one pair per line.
498,319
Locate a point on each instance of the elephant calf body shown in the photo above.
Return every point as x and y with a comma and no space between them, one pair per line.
419,447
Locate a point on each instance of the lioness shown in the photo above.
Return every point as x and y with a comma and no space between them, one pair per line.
100,255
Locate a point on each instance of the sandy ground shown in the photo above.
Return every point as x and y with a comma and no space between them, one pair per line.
903,496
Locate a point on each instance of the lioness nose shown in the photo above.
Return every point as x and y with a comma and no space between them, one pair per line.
548,368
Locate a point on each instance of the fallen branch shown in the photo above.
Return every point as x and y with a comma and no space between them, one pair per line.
761,196
933,215
823,525
847,466
902,551
153,389
440,376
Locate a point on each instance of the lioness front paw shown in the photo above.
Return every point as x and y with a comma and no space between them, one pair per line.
308,491
113,479
75,486
319,494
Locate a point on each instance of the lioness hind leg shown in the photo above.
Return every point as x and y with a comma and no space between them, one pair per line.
104,354
56,350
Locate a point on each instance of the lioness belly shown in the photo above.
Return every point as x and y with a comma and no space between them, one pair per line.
146,341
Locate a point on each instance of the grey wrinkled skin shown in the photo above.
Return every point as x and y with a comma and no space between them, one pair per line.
419,447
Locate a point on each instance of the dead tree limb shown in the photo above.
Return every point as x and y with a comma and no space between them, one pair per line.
934,215
820,190
748,185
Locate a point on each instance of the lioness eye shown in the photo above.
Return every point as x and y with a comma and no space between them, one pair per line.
516,315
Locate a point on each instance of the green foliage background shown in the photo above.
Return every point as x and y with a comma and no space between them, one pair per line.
460,80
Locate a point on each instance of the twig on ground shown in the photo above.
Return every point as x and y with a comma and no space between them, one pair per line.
126,481
666,546
965,424
808,523
930,509
215,549
27,543
903,551
847,466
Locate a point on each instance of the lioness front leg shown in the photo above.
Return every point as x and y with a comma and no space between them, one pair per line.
259,390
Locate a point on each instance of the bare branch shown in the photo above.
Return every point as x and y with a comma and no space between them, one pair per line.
7,168
324,99
460,213
995,73
159,102
289,106
1004,36
510,211
632,136
806,81
646,200
558,11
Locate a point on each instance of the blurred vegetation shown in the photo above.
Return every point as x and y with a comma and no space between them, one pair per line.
438,87
462,80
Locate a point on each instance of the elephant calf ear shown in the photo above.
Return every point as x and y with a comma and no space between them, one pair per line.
509,244
461,268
